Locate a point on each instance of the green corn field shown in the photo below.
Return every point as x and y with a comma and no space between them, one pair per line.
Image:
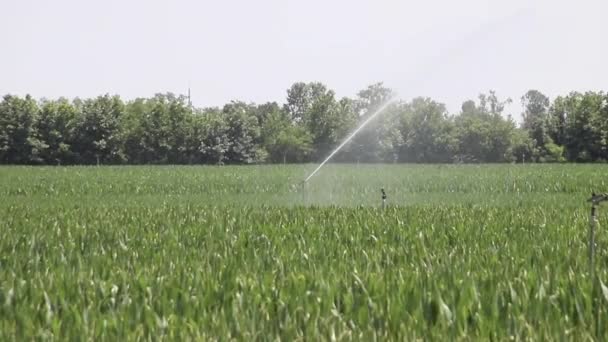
461,252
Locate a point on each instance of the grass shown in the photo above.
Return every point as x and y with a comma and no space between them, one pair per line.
215,253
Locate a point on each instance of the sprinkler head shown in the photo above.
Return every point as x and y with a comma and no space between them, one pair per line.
598,198
300,186
383,198
297,186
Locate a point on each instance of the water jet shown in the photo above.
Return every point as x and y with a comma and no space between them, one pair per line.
382,108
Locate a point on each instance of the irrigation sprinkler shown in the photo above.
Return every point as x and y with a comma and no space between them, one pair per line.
383,198
596,200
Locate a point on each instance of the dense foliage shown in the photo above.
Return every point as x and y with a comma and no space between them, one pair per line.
463,252
165,129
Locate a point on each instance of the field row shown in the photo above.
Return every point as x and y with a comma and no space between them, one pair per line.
175,262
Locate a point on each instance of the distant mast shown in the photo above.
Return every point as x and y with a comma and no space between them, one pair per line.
189,98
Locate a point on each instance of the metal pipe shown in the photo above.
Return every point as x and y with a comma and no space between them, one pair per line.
595,202
592,223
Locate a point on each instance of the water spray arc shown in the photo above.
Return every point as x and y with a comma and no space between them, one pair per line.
352,135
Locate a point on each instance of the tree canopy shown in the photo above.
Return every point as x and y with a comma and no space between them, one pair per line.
166,129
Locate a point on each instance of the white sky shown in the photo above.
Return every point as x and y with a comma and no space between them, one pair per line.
254,50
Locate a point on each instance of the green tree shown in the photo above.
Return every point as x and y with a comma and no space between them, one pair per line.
156,130
301,97
242,133
134,132
557,119
97,131
282,139
522,148
482,133
537,122
603,128
18,144
292,144
317,114
54,127
375,142
329,123
214,139
584,122
427,132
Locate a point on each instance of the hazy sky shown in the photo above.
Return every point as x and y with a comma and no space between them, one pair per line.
253,50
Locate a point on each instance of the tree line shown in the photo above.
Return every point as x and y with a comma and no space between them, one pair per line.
166,129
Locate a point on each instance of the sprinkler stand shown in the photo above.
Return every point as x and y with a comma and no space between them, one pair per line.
595,201
383,198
